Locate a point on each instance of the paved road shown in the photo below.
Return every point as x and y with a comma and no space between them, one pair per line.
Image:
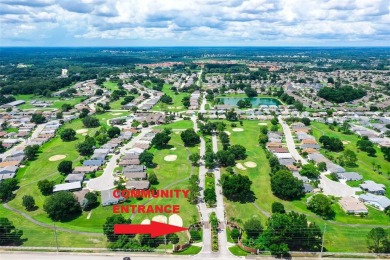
22,144
290,142
203,210
106,180
220,209
120,255
203,105
328,186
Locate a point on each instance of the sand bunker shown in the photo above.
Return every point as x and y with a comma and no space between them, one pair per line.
170,158
160,218
145,222
237,129
227,132
82,131
173,149
262,123
116,114
240,166
175,220
250,164
57,157
346,142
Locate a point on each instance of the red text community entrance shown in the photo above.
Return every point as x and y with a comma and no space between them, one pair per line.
151,194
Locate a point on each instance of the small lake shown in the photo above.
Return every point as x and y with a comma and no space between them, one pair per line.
255,101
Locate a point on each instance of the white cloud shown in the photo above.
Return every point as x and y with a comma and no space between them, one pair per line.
210,21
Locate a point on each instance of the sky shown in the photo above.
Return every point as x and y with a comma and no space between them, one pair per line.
194,23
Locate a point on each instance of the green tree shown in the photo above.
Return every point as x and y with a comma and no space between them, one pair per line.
253,227
28,202
61,206
6,189
291,231
237,187
161,140
65,167
189,137
194,158
9,234
90,122
108,227
147,159
321,205
46,187
285,186
90,201
38,118
99,92
235,234
225,158
173,238
310,171
350,158
113,132
68,135
238,151
166,99
278,207
85,148
31,151
378,240
322,166
250,92
152,177
306,121
210,197
2,148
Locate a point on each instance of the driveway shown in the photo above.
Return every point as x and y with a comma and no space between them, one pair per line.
290,142
106,180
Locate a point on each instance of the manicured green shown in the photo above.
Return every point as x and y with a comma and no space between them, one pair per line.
176,101
365,163
192,250
237,251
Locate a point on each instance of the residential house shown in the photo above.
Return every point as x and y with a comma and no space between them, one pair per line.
379,202
72,186
138,185
352,205
107,198
373,187
93,163
349,176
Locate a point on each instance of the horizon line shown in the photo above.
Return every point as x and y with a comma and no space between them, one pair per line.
200,46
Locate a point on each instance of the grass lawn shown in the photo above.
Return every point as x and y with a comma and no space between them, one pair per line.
237,251
364,163
57,102
341,240
34,235
176,101
12,130
192,250
110,85
182,124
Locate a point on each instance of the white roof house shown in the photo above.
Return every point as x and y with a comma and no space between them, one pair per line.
67,186
379,202
109,199
373,187
352,205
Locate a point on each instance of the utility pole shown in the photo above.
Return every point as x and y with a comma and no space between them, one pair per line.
323,238
55,232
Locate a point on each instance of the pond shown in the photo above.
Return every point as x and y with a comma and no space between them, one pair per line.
255,101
